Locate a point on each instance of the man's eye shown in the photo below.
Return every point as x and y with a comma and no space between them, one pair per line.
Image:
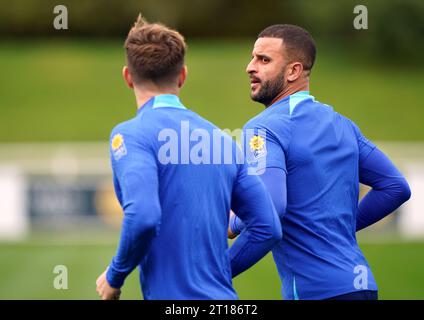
265,60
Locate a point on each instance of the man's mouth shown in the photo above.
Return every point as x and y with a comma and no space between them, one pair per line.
254,82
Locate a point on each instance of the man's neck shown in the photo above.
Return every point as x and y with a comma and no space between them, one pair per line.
142,95
289,90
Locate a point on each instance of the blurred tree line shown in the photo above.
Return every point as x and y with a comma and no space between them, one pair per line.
395,27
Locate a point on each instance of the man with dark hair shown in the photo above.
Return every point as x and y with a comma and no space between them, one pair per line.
175,206
312,160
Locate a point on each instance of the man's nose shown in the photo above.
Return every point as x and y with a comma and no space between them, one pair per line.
250,67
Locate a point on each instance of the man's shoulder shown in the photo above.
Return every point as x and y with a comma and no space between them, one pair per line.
126,127
194,116
321,109
274,123
136,128
142,122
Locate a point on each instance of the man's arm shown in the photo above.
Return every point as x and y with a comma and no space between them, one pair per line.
389,188
271,158
137,188
251,202
274,180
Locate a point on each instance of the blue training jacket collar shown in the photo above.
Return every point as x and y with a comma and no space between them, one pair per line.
298,94
162,101
293,100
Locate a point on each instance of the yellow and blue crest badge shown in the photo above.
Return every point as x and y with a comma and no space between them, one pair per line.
118,146
257,146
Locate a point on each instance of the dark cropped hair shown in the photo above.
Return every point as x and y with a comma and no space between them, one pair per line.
298,43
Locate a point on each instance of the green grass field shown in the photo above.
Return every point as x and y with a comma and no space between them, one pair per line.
55,90
72,91
26,271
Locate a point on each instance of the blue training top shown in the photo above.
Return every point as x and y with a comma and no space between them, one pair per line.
319,150
176,191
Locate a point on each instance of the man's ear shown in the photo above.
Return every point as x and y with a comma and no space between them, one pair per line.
182,77
127,77
294,71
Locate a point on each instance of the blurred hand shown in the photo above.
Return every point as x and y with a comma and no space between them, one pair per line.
105,291
230,234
